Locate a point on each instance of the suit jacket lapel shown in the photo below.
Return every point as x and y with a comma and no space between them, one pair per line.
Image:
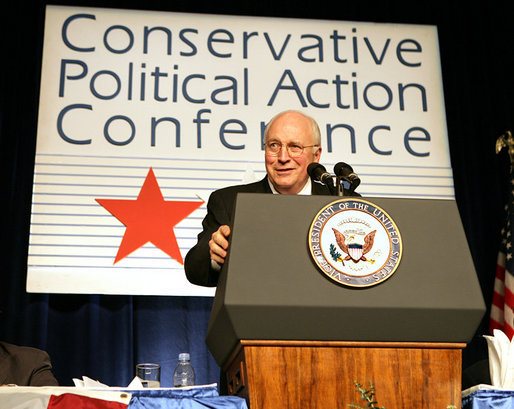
264,186
319,189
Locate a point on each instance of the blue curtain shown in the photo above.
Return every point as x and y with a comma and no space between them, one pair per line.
103,337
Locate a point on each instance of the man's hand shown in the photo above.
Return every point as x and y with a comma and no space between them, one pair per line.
218,244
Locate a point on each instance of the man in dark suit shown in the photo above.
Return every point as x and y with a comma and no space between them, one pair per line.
292,142
25,366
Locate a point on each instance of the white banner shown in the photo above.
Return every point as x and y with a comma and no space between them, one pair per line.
143,114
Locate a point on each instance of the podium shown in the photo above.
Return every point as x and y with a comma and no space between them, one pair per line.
288,336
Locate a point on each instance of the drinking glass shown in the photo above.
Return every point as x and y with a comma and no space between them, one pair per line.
149,374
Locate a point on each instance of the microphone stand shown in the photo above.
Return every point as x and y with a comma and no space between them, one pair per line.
333,190
339,184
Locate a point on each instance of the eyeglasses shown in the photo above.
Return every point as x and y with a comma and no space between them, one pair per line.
273,148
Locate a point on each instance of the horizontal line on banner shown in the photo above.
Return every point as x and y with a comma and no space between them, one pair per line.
104,186
96,236
171,198
408,185
403,195
121,196
147,158
374,165
195,169
362,174
117,236
73,245
71,214
102,196
223,161
95,204
103,268
364,193
93,256
66,204
86,215
100,246
78,175
99,225
237,181
78,165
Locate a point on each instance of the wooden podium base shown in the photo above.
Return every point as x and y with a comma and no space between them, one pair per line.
321,374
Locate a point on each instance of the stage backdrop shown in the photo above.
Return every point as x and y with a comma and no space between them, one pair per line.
143,114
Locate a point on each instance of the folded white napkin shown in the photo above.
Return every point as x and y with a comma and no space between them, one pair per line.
501,359
86,382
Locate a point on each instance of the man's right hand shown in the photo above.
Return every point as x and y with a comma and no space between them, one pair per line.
218,244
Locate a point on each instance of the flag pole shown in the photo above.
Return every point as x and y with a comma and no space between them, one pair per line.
502,306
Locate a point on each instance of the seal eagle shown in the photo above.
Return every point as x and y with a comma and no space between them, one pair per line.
355,252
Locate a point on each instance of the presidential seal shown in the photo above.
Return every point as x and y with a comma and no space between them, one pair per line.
354,242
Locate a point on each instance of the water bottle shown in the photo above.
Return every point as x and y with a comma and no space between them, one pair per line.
184,375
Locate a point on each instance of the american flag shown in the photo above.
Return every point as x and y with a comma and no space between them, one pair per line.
502,308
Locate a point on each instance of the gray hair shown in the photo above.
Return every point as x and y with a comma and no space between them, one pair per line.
315,128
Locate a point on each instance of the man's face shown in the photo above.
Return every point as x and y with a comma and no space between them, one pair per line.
289,174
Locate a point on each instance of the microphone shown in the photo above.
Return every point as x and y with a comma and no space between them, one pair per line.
318,173
345,171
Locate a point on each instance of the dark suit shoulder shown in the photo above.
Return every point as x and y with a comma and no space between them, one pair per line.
20,352
25,366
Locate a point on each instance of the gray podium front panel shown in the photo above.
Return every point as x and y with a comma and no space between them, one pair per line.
270,287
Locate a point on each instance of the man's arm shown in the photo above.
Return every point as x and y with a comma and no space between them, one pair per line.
212,243
25,366
42,373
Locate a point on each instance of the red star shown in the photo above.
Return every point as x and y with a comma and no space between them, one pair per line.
149,218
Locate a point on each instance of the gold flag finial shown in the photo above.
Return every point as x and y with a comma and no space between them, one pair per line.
506,141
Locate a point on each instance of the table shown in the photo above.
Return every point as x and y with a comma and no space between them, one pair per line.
486,397
117,398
